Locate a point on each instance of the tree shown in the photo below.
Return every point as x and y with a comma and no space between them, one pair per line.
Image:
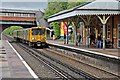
54,7
9,30
57,6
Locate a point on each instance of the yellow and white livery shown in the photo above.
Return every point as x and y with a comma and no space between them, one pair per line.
35,36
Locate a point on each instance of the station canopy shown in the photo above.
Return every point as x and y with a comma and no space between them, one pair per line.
96,7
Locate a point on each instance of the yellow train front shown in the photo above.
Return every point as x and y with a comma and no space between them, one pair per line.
35,36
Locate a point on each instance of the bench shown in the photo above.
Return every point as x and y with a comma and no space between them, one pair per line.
108,44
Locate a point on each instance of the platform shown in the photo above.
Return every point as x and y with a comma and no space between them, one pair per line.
11,65
107,52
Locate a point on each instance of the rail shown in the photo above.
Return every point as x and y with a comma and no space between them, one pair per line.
64,74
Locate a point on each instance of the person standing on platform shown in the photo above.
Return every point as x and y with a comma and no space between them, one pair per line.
78,39
64,38
99,40
92,39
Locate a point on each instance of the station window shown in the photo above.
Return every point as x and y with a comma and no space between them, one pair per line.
3,14
118,44
119,36
108,32
6,14
10,14
32,15
17,14
0,14
119,32
25,15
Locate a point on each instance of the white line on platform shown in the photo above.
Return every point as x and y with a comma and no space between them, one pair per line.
23,61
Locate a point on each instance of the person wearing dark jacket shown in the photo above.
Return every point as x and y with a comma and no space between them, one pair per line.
64,38
99,40
92,39
78,39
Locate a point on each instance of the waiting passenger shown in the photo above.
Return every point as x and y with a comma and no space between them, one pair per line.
99,40
92,39
78,39
64,38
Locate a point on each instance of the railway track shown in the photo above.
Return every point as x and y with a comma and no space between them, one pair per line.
41,58
64,70
81,64
75,70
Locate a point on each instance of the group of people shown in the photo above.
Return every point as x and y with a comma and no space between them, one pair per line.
92,40
98,41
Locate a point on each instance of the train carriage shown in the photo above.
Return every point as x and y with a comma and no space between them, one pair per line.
35,36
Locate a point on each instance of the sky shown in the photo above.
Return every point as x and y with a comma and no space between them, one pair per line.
24,4
28,4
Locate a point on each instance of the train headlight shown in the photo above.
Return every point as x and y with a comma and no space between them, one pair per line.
33,38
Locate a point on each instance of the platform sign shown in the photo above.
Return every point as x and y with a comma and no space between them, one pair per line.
63,28
118,35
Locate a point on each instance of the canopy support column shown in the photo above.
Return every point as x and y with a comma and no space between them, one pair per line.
103,21
87,20
75,22
67,25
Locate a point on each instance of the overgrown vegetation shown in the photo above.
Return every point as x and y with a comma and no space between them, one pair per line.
56,28
9,30
57,6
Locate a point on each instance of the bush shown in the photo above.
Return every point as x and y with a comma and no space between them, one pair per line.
56,27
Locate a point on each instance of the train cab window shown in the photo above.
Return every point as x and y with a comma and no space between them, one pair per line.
38,31
42,31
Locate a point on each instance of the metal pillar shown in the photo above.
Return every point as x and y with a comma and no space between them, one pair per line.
87,38
103,21
103,36
75,30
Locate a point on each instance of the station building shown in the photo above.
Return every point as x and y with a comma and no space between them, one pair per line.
96,17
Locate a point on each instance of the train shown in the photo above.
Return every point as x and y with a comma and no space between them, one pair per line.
34,36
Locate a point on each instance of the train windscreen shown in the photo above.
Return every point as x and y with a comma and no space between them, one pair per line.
38,31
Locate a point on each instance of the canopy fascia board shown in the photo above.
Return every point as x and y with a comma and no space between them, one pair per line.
62,16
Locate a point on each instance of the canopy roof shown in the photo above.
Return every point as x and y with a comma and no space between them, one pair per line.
97,7
102,4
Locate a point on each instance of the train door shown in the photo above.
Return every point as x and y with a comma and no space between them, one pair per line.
118,35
